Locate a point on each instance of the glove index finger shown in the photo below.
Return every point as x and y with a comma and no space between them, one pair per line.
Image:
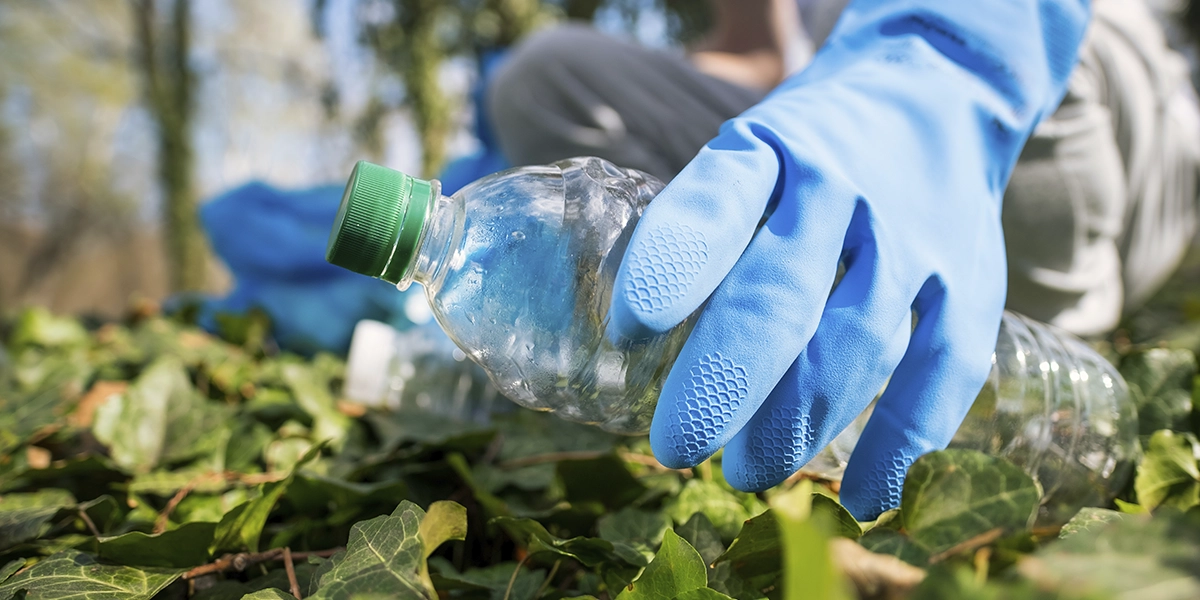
692,234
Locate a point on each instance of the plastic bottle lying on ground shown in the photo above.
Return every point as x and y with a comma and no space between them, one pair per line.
418,368
518,268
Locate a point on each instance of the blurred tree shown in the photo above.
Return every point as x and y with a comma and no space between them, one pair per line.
66,85
414,38
412,45
168,83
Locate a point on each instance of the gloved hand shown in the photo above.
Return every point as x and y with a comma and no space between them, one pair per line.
890,154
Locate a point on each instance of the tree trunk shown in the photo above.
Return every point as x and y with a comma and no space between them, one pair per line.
168,82
431,107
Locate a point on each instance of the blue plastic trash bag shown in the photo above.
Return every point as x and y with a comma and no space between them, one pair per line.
273,242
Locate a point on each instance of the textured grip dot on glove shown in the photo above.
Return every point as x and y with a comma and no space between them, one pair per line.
715,388
777,445
883,486
662,269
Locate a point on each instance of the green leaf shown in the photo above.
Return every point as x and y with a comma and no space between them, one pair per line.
241,527
884,540
953,495
1161,382
702,594
495,579
1168,475
384,555
160,419
605,480
232,589
1134,557
833,518
634,533
73,574
1087,519
533,537
10,568
808,570
677,568
726,509
701,534
312,394
443,522
269,594
185,546
24,517
39,327
756,551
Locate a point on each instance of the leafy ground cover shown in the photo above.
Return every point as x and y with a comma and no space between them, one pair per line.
146,459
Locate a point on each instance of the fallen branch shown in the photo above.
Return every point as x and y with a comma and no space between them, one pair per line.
241,561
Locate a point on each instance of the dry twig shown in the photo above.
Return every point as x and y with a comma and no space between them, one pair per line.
291,572
241,561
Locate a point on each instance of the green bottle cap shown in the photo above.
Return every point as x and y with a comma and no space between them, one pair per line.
379,222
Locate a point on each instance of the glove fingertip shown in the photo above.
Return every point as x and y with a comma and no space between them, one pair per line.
677,449
624,323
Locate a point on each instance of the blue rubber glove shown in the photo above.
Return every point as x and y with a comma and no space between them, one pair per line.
890,154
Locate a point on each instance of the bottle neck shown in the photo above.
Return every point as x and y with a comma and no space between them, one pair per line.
442,229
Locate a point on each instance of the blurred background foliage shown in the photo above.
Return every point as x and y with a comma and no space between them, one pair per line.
119,117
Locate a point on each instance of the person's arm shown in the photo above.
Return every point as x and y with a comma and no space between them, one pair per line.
889,154
751,42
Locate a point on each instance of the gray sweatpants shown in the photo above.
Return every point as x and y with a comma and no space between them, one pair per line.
1099,210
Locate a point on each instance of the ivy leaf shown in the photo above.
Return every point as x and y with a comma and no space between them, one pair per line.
24,517
312,394
73,574
634,533
533,537
753,562
269,594
833,518
1168,475
605,480
443,522
185,546
9,569
241,527
495,579
385,555
1133,557
1087,519
1161,381
676,569
726,509
700,533
160,419
808,569
885,540
953,495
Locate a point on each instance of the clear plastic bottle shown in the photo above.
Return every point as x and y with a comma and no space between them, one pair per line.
419,368
518,268
1051,405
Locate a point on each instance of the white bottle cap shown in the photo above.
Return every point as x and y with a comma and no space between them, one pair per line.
371,350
